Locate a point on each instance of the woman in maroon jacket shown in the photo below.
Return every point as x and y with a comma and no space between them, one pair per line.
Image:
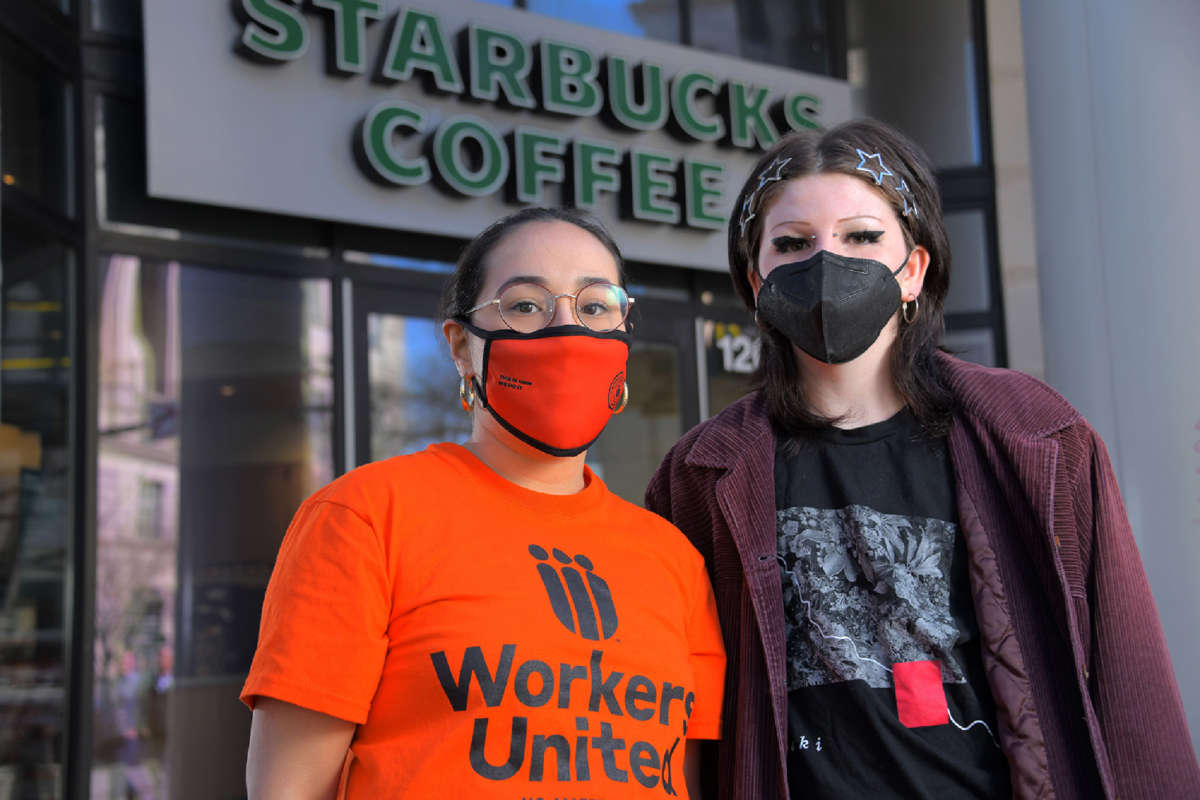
925,575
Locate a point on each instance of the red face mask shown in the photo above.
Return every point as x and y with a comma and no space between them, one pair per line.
554,389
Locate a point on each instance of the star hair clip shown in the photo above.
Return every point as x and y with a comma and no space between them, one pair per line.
865,161
765,177
910,202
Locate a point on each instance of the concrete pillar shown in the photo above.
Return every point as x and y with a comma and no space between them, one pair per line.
1114,124
1014,187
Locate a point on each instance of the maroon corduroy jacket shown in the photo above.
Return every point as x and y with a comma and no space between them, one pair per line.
1086,699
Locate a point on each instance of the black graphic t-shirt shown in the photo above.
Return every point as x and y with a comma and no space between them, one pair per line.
886,688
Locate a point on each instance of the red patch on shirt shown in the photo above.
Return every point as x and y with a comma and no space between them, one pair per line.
920,698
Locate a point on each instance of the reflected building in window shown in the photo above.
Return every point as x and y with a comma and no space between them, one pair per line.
412,385
214,411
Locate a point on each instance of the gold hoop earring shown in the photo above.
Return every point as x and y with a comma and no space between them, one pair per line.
466,393
916,308
624,399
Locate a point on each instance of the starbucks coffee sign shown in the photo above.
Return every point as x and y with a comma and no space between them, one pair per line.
441,118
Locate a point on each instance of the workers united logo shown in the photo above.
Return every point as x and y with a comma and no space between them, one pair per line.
582,601
622,730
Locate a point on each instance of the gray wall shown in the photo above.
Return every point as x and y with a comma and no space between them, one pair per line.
1114,125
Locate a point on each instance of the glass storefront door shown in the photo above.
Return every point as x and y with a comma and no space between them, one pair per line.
405,384
728,346
411,382
661,386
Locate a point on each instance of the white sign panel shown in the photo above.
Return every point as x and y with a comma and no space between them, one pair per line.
443,116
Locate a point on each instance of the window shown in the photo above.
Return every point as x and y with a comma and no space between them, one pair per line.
795,35
970,291
635,441
36,448
913,66
35,492
36,150
121,17
215,420
658,20
411,379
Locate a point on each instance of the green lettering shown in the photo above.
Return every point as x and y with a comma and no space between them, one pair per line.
702,195
417,43
375,143
651,113
532,150
569,80
344,50
499,61
800,109
748,120
595,168
653,179
451,161
684,114
274,30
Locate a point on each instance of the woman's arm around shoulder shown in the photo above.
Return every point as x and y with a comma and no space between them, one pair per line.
295,753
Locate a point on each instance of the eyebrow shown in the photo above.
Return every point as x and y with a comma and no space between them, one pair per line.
806,223
538,279
800,222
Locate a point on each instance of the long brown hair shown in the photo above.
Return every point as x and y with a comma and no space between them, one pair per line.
837,150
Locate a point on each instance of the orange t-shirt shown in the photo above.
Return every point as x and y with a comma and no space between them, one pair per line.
492,641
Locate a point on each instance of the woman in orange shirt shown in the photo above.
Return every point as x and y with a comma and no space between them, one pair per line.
487,619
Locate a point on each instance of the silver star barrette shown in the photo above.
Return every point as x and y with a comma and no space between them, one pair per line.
764,177
910,204
878,174
865,160
777,165
747,215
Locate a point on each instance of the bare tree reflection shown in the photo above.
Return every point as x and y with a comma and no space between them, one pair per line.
414,387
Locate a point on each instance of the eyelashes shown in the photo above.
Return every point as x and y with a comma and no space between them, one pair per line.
864,237
794,244
790,244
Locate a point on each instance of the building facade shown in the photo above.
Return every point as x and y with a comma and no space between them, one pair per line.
224,231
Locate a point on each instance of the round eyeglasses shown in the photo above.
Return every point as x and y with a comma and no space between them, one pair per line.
528,307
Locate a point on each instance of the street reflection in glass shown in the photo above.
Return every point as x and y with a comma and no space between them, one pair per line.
214,423
413,384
